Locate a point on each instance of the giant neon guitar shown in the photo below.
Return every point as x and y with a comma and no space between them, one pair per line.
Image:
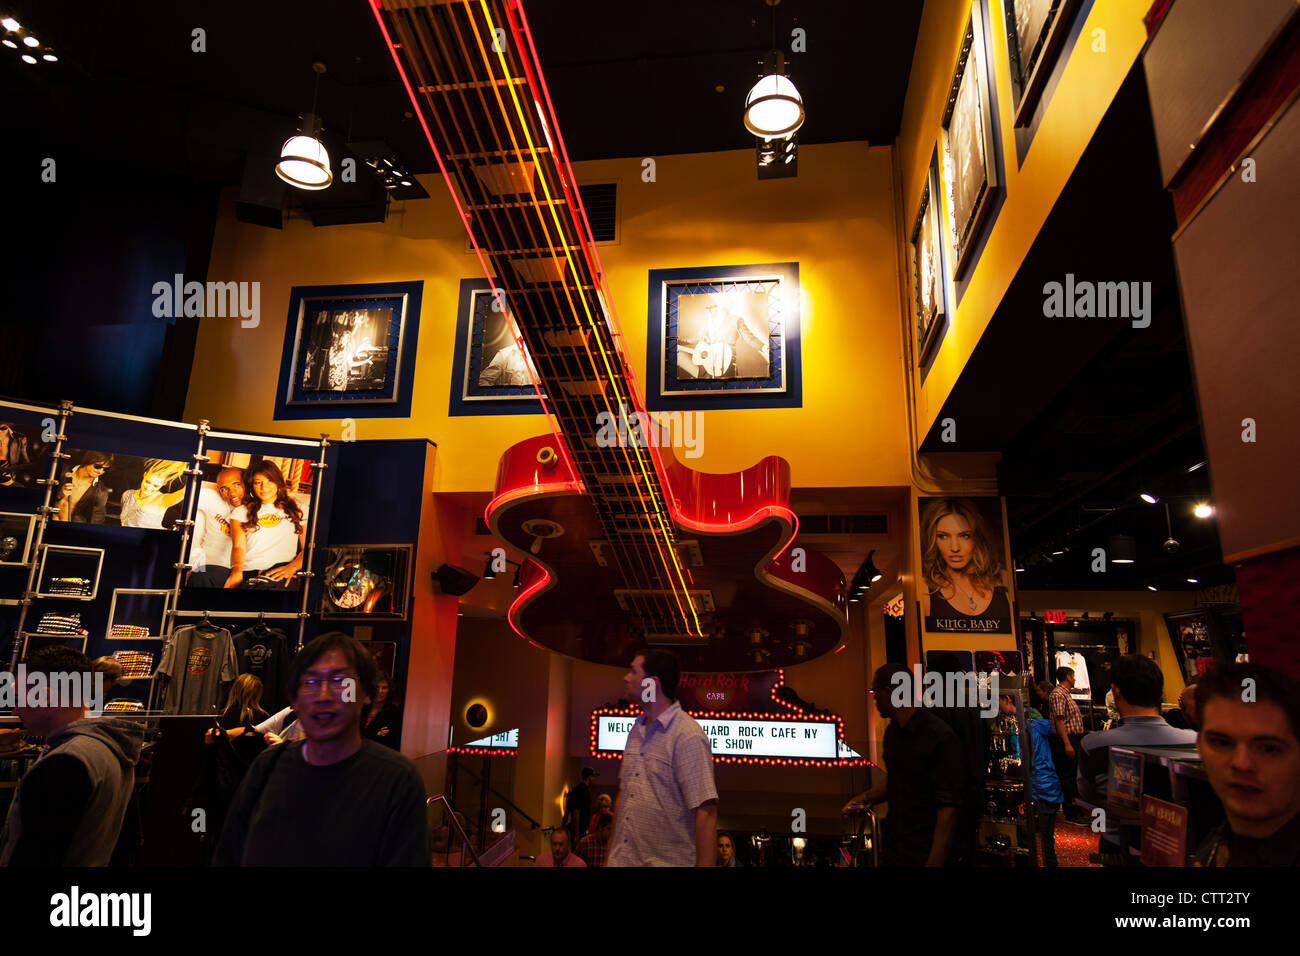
627,544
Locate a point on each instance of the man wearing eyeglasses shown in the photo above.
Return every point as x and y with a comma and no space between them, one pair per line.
83,497
331,799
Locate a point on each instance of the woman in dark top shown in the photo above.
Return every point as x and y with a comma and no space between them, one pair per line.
382,720
242,705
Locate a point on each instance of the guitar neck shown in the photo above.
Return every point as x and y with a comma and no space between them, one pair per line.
473,74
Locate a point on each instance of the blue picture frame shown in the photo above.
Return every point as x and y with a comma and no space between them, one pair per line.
476,330
304,391
780,386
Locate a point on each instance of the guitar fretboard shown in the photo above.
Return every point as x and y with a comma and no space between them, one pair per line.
474,77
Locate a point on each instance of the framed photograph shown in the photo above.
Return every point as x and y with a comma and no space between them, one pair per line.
349,351
965,581
15,537
22,455
255,507
1036,31
929,279
366,582
491,371
99,487
724,337
969,167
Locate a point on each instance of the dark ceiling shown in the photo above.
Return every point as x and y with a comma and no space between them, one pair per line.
627,79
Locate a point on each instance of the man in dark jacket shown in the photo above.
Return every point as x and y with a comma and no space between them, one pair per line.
69,807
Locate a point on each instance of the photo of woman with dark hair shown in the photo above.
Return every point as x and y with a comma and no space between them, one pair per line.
268,532
961,560
83,497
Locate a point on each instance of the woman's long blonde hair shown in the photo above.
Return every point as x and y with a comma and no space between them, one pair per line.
245,695
165,471
985,568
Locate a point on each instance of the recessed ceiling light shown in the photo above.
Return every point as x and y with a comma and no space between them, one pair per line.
50,57
9,23
1149,499
10,43
1152,587
31,41
1193,581
28,58
406,182
1203,510
1058,552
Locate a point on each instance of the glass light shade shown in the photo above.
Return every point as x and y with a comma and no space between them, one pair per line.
773,107
304,163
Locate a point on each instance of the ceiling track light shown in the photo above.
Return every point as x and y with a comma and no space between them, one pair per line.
304,162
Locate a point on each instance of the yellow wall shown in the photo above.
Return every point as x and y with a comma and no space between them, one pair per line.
835,219
1088,85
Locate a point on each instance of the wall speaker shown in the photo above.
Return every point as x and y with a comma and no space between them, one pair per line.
450,579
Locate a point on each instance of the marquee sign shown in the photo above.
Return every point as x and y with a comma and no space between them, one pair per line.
504,744
796,738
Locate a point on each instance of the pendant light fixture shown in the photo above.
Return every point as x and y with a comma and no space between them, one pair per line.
304,162
774,108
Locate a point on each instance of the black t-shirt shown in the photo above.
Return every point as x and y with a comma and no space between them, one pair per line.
367,810
1225,848
923,766
230,719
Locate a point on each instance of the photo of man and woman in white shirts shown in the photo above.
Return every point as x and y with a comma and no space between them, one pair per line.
250,527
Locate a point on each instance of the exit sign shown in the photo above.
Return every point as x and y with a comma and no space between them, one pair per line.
1054,617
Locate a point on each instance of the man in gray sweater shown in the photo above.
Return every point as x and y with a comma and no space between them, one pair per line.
69,807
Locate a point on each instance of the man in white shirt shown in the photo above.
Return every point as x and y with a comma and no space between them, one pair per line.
210,551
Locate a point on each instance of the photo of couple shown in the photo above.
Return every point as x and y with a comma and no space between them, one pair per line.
250,528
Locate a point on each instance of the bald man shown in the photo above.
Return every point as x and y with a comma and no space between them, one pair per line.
210,552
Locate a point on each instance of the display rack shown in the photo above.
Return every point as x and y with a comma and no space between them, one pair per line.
1006,826
65,549
7,527
171,596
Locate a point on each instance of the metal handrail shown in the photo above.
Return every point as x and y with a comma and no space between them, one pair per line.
450,812
496,793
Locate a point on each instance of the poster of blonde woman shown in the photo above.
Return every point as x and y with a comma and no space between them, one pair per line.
965,586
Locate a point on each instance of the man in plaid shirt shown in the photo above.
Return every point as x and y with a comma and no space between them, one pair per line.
594,847
1067,731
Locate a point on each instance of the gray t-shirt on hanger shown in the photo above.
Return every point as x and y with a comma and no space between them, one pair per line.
197,662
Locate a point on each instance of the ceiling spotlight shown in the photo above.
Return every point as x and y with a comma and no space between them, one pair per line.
50,57
10,24
28,58
1203,510
1152,587
519,570
1193,581
31,41
304,163
1058,552
10,43
490,572
1018,570
1122,548
1149,499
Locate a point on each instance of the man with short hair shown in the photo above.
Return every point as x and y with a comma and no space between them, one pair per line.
69,807
1137,684
577,807
561,853
210,550
1250,743
667,808
1067,732
923,779
331,799
594,847
1184,715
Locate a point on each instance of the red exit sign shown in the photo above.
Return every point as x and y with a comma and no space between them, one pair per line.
1054,617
